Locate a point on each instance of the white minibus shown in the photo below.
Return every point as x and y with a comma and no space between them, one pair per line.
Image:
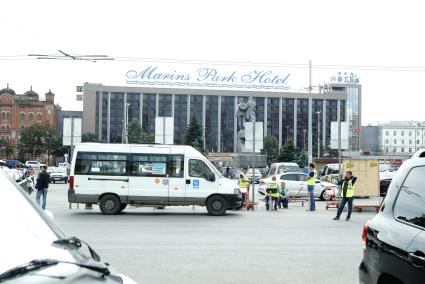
114,175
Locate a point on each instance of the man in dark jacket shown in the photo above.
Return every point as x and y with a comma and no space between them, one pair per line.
42,184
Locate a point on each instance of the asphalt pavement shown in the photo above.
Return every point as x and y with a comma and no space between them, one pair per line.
185,245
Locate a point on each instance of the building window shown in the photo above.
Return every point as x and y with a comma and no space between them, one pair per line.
39,116
402,133
22,116
402,141
410,142
21,126
402,150
410,133
418,142
395,141
387,133
30,116
387,141
410,150
395,133
394,149
3,115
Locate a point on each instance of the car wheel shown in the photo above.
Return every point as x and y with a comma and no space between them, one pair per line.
216,205
110,204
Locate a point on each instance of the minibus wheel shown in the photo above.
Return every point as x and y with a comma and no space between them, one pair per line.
110,204
216,205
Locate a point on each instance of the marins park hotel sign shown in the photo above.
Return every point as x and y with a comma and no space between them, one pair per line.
207,77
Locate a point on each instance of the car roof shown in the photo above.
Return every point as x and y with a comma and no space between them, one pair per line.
285,164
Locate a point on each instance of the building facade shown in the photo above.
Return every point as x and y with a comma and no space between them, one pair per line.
18,111
402,137
284,114
63,114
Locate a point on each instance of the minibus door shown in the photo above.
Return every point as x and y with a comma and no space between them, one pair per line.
201,182
176,180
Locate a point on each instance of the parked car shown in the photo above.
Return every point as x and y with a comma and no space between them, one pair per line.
50,169
280,168
297,184
59,174
257,175
13,164
330,169
384,181
394,240
35,250
33,164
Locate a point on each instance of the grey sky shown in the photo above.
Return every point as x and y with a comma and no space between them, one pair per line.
353,33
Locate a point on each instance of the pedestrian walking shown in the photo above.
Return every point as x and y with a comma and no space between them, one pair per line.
311,183
347,192
42,184
244,184
273,193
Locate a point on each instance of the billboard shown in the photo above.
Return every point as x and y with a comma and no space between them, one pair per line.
164,130
72,128
334,135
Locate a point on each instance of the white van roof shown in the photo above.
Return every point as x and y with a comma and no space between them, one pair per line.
126,148
285,164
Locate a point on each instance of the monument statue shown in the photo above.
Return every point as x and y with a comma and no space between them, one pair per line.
241,114
245,112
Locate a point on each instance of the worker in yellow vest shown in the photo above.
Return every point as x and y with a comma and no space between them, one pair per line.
272,193
347,192
244,184
311,183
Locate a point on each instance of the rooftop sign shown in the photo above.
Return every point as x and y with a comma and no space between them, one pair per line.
207,77
345,78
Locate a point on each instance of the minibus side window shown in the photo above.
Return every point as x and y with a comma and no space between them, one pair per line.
197,168
149,165
176,166
100,164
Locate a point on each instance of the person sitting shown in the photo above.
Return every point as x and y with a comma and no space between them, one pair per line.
284,196
272,193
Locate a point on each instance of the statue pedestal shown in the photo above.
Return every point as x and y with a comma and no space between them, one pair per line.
240,147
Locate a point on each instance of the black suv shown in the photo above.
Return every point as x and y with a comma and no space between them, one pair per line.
394,240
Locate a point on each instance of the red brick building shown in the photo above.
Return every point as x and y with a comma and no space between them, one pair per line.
18,111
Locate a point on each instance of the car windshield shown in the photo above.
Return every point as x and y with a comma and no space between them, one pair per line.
287,169
59,170
257,171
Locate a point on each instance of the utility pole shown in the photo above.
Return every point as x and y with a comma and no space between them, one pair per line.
318,133
310,118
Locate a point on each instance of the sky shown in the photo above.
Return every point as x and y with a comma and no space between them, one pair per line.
380,41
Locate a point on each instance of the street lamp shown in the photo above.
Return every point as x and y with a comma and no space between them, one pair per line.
318,133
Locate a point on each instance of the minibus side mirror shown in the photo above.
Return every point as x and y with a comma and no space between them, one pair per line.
211,177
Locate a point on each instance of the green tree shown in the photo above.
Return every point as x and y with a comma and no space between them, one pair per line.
35,140
50,141
194,135
331,153
6,148
148,138
302,159
135,132
271,148
89,137
288,153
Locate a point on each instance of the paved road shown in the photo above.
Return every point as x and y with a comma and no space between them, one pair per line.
185,245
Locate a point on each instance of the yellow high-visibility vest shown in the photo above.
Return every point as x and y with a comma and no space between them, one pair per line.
243,180
350,188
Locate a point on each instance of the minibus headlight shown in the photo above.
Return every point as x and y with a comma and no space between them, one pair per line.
237,190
